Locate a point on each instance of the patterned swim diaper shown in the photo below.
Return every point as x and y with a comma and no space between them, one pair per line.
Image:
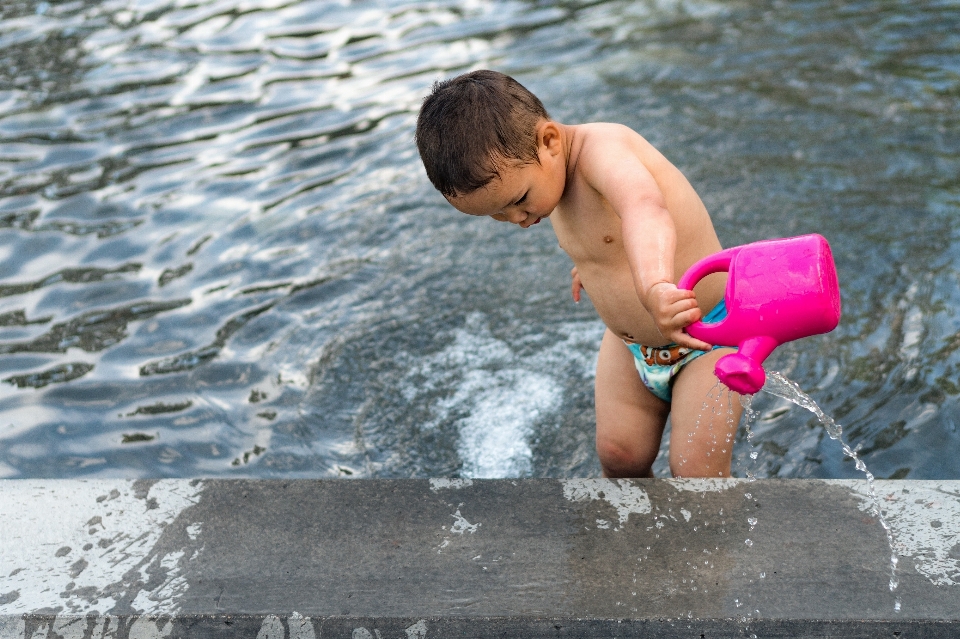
659,365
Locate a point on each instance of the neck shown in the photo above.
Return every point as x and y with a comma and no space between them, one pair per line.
569,139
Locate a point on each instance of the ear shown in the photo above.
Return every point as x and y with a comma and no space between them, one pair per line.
549,138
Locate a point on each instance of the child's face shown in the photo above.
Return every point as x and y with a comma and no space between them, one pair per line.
524,193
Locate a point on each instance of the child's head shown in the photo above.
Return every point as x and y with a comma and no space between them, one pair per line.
473,126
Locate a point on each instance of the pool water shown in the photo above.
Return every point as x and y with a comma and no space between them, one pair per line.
220,256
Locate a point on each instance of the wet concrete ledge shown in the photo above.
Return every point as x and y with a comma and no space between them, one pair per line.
418,559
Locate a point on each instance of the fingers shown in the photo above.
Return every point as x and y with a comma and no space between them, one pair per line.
675,295
675,310
675,332
575,285
687,341
678,314
677,335
664,295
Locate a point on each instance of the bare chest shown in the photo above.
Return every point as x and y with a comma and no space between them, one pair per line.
587,228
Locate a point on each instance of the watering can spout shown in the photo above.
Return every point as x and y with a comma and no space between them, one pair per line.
777,291
743,371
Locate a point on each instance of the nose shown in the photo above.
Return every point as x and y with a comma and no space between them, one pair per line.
516,216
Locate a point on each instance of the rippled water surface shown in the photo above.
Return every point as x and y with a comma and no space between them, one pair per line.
219,254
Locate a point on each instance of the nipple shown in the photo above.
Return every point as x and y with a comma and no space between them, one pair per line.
607,239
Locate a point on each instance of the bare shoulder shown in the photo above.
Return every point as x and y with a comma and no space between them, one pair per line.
610,155
599,134
603,143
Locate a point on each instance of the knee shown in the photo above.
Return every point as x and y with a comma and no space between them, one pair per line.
620,460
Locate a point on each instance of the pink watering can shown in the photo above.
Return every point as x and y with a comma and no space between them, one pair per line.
777,291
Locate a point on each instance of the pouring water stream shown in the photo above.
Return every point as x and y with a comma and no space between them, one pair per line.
777,384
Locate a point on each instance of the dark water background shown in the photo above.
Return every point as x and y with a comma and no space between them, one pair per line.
219,254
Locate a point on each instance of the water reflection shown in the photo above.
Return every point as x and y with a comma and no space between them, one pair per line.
219,255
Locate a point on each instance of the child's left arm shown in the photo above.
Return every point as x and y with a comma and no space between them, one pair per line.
649,236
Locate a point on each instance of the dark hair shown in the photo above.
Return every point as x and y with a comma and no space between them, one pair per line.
473,124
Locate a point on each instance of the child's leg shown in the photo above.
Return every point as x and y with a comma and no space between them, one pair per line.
701,437
630,419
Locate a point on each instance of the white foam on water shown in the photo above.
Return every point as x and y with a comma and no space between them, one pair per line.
502,396
43,556
912,332
504,406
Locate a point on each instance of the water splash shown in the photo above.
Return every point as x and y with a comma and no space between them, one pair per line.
749,415
718,407
780,386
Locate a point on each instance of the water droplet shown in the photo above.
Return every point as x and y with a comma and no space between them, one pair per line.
754,455
748,542
752,521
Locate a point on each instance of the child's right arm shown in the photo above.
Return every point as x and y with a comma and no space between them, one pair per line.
649,235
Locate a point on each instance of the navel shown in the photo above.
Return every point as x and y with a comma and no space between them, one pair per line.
607,238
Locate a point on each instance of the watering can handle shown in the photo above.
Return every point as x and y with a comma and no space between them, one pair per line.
718,262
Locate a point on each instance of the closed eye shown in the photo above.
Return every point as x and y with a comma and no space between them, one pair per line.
520,201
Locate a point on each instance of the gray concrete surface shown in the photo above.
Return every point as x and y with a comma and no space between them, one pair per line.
418,559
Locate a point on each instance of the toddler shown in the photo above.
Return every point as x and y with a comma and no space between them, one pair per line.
632,224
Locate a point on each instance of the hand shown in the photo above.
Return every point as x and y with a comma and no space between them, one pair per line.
673,309
575,286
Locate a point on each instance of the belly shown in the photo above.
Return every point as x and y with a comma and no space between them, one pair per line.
617,303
